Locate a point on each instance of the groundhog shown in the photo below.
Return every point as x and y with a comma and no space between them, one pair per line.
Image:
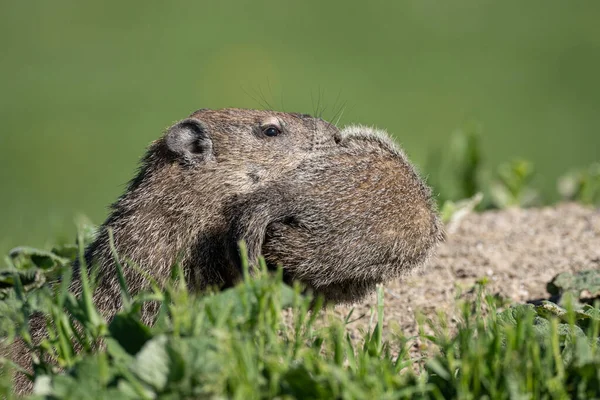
348,217
173,210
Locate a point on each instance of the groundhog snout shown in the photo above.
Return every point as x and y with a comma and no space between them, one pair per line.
325,139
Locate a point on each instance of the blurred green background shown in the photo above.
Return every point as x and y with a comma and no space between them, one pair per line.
87,85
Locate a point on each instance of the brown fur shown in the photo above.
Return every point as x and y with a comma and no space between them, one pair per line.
174,209
344,220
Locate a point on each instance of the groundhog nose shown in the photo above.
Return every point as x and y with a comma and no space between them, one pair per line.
337,137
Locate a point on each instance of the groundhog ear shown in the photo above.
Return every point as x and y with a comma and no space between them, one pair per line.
189,139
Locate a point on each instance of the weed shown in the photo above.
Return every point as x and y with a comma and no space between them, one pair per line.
582,185
236,344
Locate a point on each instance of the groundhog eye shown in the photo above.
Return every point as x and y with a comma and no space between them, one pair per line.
271,131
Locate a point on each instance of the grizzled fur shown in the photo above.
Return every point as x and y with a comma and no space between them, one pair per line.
344,220
173,210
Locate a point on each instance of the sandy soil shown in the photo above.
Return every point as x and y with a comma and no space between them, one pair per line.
518,250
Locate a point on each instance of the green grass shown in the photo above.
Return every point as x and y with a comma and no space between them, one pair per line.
235,344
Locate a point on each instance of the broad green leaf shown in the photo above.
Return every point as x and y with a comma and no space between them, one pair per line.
129,332
152,363
583,283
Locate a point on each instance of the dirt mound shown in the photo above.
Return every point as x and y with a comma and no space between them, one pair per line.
518,250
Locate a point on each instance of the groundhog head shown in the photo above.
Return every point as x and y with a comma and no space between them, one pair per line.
245,143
